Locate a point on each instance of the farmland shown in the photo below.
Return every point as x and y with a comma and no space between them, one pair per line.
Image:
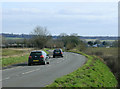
102,51
14,55
11,52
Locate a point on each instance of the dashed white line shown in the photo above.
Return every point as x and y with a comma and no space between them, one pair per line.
5,79
48,65
12,68
29,72
58,62
37,69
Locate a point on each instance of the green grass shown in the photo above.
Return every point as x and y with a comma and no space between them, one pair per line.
9,52
14,60
109,56
45,49
13,56
93,74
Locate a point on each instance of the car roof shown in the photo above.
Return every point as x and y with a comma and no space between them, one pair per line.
58,49
37,51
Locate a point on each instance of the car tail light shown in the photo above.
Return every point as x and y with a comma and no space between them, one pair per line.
30,57
41,56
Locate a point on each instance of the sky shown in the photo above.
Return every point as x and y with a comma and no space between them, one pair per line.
83,18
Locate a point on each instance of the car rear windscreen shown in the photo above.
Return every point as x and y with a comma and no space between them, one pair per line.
36,54
57,51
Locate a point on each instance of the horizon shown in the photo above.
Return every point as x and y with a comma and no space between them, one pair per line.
56,35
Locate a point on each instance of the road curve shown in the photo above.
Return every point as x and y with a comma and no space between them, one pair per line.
41,75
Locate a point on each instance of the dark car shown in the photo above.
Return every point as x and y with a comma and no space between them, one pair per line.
38,57
57,52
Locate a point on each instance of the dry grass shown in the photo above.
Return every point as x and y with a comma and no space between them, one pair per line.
110,56
12,52
102,51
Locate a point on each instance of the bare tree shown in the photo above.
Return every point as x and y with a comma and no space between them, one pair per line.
40,36
74,34
40,31
63,34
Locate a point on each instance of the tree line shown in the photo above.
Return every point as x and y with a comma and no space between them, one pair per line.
41,38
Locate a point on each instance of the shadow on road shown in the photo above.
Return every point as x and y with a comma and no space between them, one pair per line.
15,65
20,64
58,57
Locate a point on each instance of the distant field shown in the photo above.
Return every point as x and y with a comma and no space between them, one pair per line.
8,38
97,39
9,52
109,55
15,38
102,51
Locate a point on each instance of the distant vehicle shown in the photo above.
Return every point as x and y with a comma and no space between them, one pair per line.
57,52
38,57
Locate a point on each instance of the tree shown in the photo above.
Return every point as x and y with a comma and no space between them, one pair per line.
71,41
63,34
97,42
115,43
40,36
3,40
105,43
90,43
74,34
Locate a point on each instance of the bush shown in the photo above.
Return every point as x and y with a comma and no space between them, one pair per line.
97,53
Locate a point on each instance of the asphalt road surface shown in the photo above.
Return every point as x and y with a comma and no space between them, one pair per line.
41,75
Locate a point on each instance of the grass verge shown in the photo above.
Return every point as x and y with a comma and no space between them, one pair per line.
14,60
93,74
9,52
46,50
110,57
17,59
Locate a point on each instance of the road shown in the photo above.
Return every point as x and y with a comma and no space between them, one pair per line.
41,75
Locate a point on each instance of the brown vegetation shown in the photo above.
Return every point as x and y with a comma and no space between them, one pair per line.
110,56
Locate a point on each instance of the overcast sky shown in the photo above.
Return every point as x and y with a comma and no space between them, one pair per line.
84,18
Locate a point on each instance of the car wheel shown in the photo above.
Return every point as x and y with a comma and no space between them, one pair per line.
44,63
48,63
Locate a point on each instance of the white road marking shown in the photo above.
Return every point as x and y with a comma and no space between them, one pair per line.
58,62
28,72
48,65
37,69
11,68
5,79
31,71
